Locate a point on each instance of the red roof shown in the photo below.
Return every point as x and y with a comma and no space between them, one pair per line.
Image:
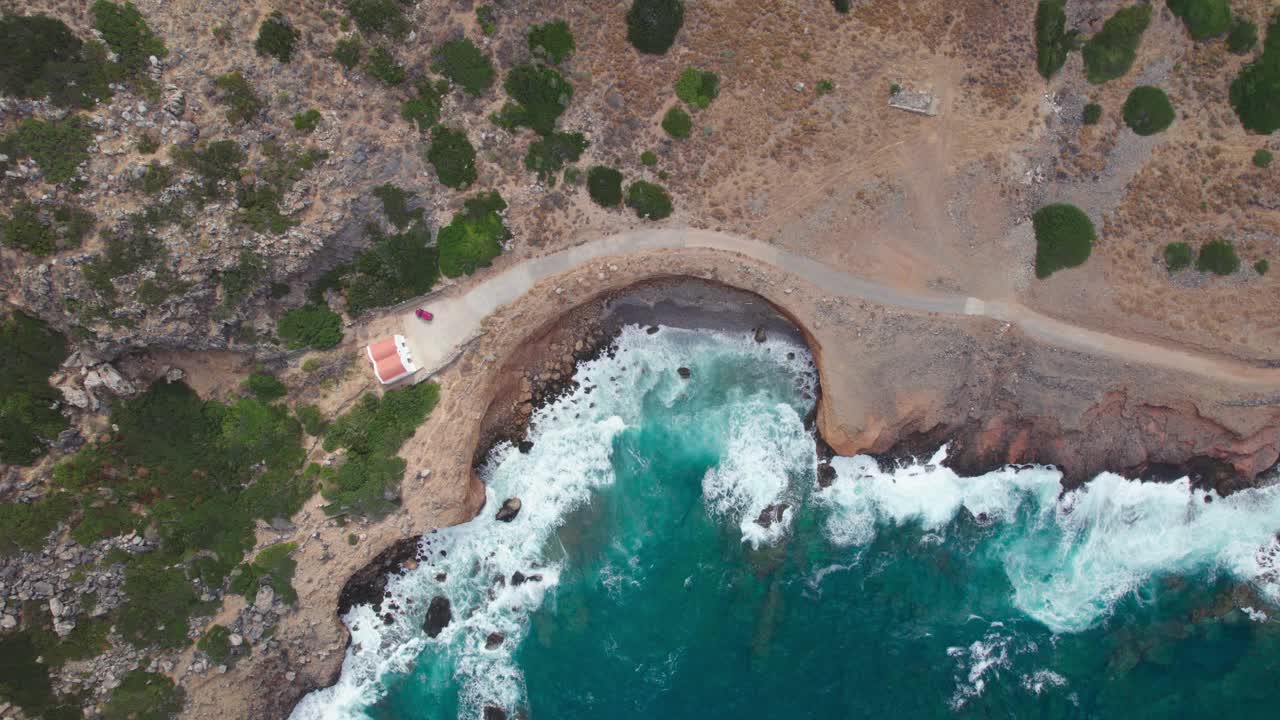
382,349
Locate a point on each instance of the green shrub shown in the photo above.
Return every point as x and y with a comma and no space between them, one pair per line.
265,387
383,65
314,326
824,87
372,432
216,163
1204,19
243,104
43,231
156,177
379,16
26,526
1243,36
1109,54
453,158
395,205
394,269
842,6
148,143
144,696
307,122
551,41
540,96
313,422
259,208
1147,110
650,201
1255,93
216,643
29,353
474,237
1218,257
652,25
677,123
57,146
125,252
604,184
125,30
276,37
242,280
465,65
1064,238
1262,158
1092,114
347,51
1261,267
423,110
549,154
487,19
272,567
648,158
161,601
44,58
1177,256
697,87
1053,42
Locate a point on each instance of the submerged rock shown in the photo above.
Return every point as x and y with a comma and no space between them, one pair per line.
684,372
494,640
509,510
439,615
494,713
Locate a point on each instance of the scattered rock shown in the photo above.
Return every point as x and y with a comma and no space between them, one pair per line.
265,597
517,579
525,446
759,335
510,508
439,615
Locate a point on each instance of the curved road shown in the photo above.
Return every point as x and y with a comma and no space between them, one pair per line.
458,315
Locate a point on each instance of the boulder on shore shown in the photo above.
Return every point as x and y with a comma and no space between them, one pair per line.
439,614
509,510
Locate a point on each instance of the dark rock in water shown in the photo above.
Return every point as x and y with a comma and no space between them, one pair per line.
517,579
439,614
369,584
494,713
494,640
760,336
771,514
534,578
651,329
510,508
684,372
791,356
826,474
525,446
388,619
440,577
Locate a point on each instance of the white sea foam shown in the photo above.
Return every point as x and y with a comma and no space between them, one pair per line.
570,457
1081,552
981,659
1040,680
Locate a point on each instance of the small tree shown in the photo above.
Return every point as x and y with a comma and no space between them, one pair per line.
697,87
465,65
1242,37
650,201
306,122
1092,114
1053,42
382,65
1218,257
276,37
453,158
547,155
677,123
1147,110
652,25
1064,238
314,326
604,184
347,51
243,104
474,237
1204,19
1262,158
551,41
1255,93
1177,256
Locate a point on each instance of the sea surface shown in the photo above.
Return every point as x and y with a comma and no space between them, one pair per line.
649,588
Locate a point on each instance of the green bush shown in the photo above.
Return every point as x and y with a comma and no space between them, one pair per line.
1064,238
394,269
276,37
1204,19
313,421
265,387
58,146
842,6
144,696
1262,158
697,87
307,122
648,158
44,58
1147,110
125,252
383,65
551,41
1255,93
26,526
243,104
395,205
155,177
1053,42
604,184
677,123
423,110
372,432
29,353
474,237
314,326
1218,257
453,158
1177,256
43,231
487,19
1092,114
1243,36
216,643
549,154
243,279
540,96
652,25
1261,267
1109,54
465,65
216,163
272,567
347,51
379,16
125,30
258,206
650,201
824,87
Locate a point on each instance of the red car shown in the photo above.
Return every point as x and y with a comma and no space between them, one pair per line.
423,314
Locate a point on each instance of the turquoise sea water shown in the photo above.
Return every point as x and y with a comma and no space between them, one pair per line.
652,591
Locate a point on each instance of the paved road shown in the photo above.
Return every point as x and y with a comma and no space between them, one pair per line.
459,313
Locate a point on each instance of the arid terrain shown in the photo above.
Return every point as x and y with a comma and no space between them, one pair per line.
801,150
